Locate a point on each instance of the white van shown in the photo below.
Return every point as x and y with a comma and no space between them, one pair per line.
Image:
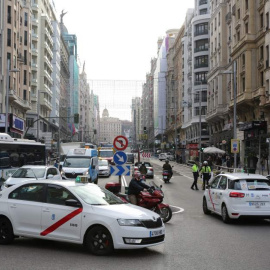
81,161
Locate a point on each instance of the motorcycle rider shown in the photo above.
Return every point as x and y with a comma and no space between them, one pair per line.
206,173
167,167
135,187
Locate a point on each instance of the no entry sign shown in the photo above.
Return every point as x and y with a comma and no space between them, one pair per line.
120,143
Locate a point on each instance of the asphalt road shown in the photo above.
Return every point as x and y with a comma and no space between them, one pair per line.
193,240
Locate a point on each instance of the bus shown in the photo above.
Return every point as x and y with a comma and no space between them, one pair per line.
15,153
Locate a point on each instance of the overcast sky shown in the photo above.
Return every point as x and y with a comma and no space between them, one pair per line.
118,38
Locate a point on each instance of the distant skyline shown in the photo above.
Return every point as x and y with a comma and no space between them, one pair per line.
117,40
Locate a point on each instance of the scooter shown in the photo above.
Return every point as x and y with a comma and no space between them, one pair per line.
166,176
150,199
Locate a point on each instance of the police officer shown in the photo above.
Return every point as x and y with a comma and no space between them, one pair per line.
206,173
195,171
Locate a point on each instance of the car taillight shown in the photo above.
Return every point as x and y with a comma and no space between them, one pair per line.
136,169
237,194
150,169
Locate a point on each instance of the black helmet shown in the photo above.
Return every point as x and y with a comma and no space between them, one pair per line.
166,161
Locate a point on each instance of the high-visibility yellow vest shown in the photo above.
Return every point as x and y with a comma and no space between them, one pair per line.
205,169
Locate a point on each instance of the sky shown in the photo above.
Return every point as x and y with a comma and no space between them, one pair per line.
117,40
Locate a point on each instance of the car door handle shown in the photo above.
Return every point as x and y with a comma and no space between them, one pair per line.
46,210
13,206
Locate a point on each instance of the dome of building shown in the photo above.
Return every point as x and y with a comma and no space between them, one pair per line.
105,113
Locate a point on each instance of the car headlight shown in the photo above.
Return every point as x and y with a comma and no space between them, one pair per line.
129,222
85,173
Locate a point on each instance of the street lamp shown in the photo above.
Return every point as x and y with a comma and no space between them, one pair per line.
234,105
7,92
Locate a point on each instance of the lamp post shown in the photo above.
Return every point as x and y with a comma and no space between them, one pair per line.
38,113
7,92
234,105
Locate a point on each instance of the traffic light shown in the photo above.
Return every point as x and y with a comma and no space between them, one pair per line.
144,130
201,149
76,118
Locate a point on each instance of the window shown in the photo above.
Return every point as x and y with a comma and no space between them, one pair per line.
200,77
52,171
9,14
201,45
29,192
25,38
238,35
24,95
243,59
267,20
214,183
25,57
222,183
29,122
9,37
238,14
58,195
25,19
261,20
201,29
261,75
203,11
267,56
246,4
201,61
246,27
243,84
24,77
261,53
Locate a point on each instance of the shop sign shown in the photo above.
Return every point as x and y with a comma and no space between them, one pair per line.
17,123
3,120
192,146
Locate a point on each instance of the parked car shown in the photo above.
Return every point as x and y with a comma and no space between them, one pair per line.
149,167
170,156
236,195
104,168
32,172
79,213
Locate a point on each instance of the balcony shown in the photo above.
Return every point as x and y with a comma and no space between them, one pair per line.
48,76
45,103
202,2
34,21
12,95
34,82
201,32
48,49
47,89
258,92
203,65
23,103
49,36
228,17
34,6
34,36
34,51
34,66
33,97
47,61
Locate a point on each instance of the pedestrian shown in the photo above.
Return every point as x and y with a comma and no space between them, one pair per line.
143,169
56,163
195,171
206,174
262,164
228,162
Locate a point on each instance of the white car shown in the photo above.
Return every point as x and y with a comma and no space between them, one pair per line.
104,168
77,213
236,195
32,172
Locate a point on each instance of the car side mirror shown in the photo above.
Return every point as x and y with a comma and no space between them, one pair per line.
208,186
73,203
50,176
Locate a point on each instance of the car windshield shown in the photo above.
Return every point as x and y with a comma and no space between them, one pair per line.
29,173
77,162
250,184
103,163
147,164
106,153
96,195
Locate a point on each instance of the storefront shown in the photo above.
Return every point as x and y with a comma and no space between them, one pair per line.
192,151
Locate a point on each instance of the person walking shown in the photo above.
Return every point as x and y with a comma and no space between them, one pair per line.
195,171
206,173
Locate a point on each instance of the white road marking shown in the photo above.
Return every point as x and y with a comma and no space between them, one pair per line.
180,209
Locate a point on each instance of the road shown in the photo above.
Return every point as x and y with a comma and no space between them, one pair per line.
193,240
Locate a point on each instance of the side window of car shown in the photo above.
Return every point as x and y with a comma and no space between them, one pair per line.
58,195
28,192
223,183
214,183
53,171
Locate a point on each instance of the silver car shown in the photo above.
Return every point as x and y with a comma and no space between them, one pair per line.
104,168
32,172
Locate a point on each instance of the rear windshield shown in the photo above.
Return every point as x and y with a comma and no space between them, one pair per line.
250,184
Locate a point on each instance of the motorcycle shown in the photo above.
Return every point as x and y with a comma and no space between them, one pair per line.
166,176
150,199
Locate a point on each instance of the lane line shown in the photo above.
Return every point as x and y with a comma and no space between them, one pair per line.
180,209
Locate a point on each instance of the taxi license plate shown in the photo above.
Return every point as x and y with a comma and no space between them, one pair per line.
156,233
257,204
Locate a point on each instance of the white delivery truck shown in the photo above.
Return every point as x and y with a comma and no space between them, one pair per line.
81,162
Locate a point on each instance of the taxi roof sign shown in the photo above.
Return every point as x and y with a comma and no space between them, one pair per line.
81,179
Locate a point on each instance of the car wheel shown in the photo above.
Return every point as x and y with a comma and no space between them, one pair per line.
96,181
6,231
205,208
225,215
99,241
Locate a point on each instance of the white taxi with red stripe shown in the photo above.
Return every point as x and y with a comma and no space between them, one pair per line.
236,195
78,213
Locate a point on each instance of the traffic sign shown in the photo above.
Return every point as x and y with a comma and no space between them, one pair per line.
120,158
120,143
120,170
234,146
